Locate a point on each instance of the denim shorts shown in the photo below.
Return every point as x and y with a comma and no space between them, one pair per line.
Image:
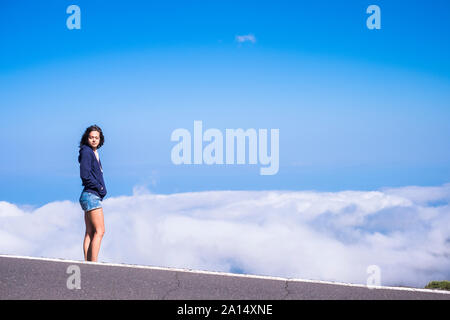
89,201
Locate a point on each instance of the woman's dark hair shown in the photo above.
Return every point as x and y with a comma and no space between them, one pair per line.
84,138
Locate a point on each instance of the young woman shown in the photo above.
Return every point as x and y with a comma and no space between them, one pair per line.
94,191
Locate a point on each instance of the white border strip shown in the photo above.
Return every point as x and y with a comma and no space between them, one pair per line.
224,274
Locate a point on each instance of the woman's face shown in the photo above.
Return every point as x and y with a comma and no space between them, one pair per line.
94,139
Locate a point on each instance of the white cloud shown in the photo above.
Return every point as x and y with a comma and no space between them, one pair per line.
313,235
244,38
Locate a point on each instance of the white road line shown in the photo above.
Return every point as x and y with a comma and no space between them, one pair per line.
223,274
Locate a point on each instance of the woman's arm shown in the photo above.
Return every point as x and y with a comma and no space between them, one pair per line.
85,172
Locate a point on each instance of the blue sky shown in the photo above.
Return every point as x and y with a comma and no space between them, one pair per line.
356,108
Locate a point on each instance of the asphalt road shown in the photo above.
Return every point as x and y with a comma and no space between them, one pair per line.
36,278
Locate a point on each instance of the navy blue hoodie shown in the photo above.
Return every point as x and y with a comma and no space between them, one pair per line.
90,172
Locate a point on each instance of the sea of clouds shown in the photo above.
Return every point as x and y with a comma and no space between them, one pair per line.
332,236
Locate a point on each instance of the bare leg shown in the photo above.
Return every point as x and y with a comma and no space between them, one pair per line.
88,235
96,219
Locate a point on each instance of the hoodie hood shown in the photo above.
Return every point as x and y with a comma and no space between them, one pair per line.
81,150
